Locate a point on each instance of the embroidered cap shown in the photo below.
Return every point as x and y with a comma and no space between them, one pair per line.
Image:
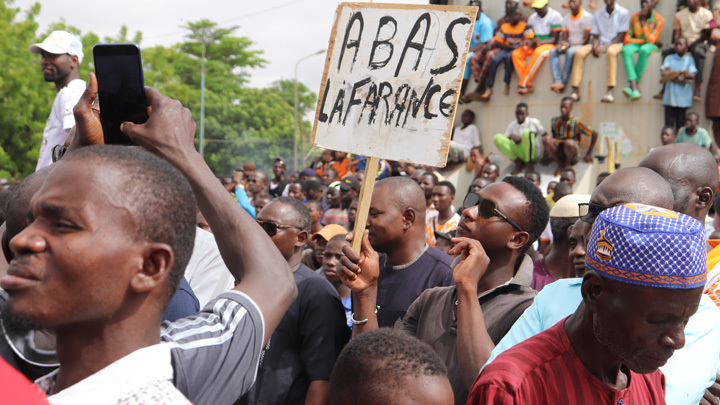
650,246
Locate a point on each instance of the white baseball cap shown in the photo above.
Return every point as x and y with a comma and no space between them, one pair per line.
59,42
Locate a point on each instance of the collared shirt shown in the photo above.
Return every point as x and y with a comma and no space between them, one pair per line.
688,371
137,372
545,26
608,26
519,376
679,94
574,128
432,318
577,26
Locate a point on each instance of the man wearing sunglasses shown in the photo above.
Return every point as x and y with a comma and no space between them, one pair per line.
559,299
492,280
300,355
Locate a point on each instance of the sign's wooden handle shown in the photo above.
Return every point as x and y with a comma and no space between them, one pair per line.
366,190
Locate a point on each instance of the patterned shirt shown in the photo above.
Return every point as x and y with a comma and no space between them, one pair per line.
432,225
644,33
513,35
574,128
520,376
577,26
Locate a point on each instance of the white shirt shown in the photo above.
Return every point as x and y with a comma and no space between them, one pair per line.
577,26
607,26
206,271
467,137
543,26
138,372
60,121
533,124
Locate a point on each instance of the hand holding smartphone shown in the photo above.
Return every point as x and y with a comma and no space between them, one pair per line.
121,89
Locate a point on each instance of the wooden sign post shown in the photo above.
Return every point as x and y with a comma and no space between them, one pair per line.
390,86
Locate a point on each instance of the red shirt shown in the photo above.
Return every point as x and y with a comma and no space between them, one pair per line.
546,370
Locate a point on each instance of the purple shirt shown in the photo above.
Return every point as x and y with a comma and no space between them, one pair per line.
541,275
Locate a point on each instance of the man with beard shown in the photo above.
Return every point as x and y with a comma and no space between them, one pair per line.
61,54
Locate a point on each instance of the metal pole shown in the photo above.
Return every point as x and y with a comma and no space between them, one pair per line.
202,99
297,123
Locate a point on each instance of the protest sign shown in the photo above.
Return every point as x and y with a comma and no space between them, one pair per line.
391,80
390,85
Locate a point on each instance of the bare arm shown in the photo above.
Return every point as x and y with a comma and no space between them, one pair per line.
318,393
248,252
589,154
473,341
360,273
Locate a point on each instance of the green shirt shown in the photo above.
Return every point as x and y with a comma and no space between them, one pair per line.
700,137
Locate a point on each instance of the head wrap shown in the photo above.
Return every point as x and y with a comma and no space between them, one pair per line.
648,246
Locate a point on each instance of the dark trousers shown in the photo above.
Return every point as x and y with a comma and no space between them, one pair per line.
697,52
675,117
504,56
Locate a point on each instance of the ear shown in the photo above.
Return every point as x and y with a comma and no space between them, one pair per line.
157,261
301,239
75,60
518,240
409,216
593,291
704,197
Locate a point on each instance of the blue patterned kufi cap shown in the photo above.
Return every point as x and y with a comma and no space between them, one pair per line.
649,246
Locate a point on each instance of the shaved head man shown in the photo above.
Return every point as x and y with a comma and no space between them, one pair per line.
258,182
692,173
396,227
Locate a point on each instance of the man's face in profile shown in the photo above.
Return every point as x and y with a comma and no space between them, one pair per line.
73,262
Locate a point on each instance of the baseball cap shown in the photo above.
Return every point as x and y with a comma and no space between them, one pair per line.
649,246
308,172
59,42
539,3
349,183
328,231
567,207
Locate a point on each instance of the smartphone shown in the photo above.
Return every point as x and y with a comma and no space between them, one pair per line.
121,89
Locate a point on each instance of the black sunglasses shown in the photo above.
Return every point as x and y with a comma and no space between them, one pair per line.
271,228
487,208
589,211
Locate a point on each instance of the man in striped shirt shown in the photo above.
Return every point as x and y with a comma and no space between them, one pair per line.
646,272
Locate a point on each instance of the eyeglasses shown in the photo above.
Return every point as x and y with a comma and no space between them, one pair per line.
271,228
590,211
487,208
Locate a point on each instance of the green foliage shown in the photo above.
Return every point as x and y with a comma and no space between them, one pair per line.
241,123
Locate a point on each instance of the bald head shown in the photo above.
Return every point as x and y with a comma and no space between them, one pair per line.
691,172
633,185
405,193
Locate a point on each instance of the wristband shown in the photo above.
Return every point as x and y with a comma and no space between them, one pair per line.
364,321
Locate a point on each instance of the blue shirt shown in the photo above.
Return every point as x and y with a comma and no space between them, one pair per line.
688,372
483,30
676,94
244,201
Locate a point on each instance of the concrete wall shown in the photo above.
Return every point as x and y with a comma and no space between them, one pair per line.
641,120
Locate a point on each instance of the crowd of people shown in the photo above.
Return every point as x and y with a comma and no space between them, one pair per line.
523,43
134,275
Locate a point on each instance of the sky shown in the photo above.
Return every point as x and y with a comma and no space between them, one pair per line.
286,30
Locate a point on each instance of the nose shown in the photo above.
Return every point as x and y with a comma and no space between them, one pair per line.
579,250
27,241
675,336
470,213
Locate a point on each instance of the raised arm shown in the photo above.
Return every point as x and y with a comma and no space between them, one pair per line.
360,273
473,341
252,258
